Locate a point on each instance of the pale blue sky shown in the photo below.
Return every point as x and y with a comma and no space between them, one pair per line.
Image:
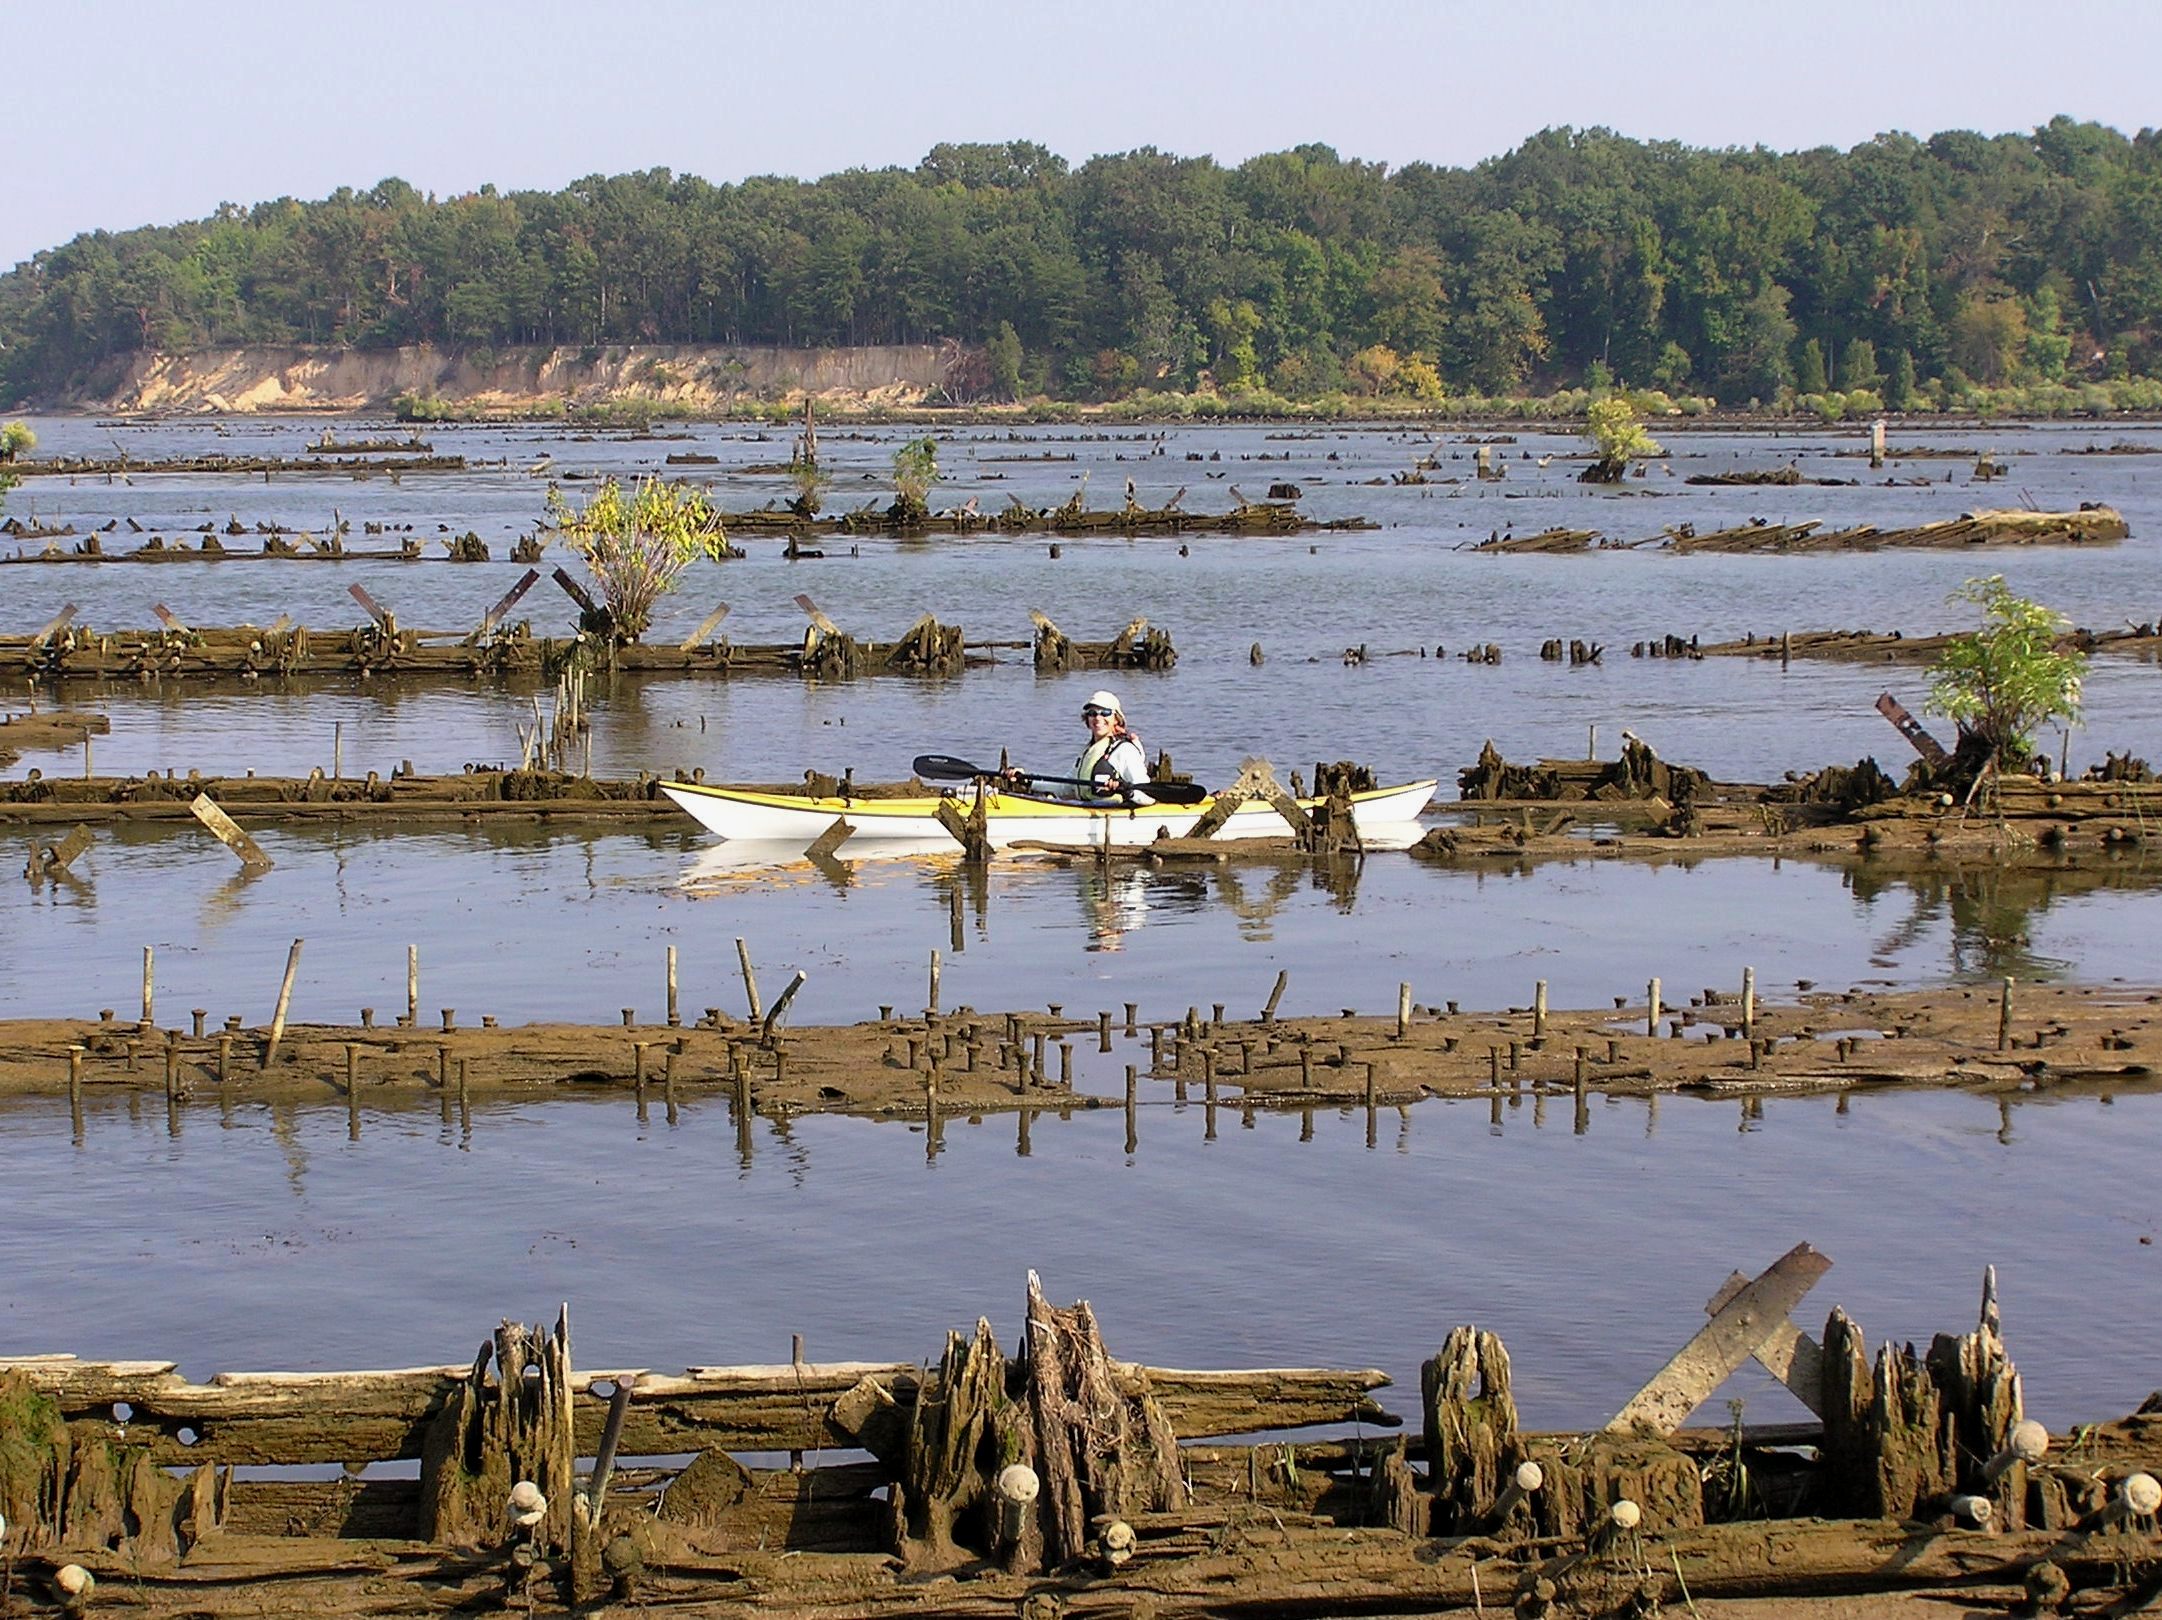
123,114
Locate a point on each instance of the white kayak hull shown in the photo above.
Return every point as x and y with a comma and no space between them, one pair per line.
1384,816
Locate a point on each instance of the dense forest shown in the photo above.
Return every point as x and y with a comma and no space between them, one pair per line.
1905,270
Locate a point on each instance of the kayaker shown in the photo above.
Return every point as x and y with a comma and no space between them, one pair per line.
1113,762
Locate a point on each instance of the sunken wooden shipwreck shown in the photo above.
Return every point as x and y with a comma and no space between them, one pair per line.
64,650
1058,1479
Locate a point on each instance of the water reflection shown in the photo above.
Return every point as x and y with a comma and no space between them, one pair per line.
1988,915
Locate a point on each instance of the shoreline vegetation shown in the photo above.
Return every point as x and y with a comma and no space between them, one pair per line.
2010,273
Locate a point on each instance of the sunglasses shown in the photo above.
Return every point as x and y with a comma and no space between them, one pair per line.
1098,714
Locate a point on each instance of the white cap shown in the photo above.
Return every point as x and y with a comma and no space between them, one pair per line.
1104,700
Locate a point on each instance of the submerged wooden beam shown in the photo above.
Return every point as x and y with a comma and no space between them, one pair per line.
295,1418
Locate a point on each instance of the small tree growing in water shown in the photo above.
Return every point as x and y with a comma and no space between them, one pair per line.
2004,681
15,440
1615,431
636,546
915,470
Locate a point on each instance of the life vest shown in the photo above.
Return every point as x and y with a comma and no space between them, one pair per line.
1117,755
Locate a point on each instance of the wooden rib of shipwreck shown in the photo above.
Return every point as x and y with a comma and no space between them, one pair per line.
1062,1480
2142,640
1070,518
2090,525
353,466
383,650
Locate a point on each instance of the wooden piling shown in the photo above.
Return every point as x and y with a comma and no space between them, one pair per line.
412,987
675,1020
780,1004
932,1004
285,997
750,979
1538,1010
1749,1003
1651,1021
2004,1017
1403,1010
149,981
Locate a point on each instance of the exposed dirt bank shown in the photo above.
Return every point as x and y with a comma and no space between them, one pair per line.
248,381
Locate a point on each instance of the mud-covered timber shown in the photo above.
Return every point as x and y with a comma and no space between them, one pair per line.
317,465
1070,518
2090,525
385,651
1063,1480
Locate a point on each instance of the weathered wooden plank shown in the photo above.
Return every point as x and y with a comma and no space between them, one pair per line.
1722,1345
293,1418
53,626
831,839
824,625
59,857
575,591
494,615
1787,1353
229,833
370,606
706,626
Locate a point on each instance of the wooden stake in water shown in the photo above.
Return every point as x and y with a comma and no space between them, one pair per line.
285,998
1651,1021
149,977
412,986
780,1004
933,1002
750,979
1403,1010
337,750
673,1018
1749,1003
1538,1010
2004,1017
1268,1012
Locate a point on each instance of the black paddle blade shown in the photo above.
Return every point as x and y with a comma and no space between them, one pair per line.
1174,792
945,768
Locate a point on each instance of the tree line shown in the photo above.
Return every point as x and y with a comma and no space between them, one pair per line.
1901,270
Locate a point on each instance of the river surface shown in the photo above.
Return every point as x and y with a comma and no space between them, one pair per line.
264,1239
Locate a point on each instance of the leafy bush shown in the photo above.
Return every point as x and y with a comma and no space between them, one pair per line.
637,546
2003,681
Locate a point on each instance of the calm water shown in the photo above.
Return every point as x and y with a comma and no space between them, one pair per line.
1591,1255
270,1238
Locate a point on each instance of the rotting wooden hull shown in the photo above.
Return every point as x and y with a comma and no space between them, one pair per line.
1383,816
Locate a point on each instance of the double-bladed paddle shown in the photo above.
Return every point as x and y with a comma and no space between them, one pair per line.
945,768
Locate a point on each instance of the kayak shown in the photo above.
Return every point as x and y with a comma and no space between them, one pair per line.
1382,815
